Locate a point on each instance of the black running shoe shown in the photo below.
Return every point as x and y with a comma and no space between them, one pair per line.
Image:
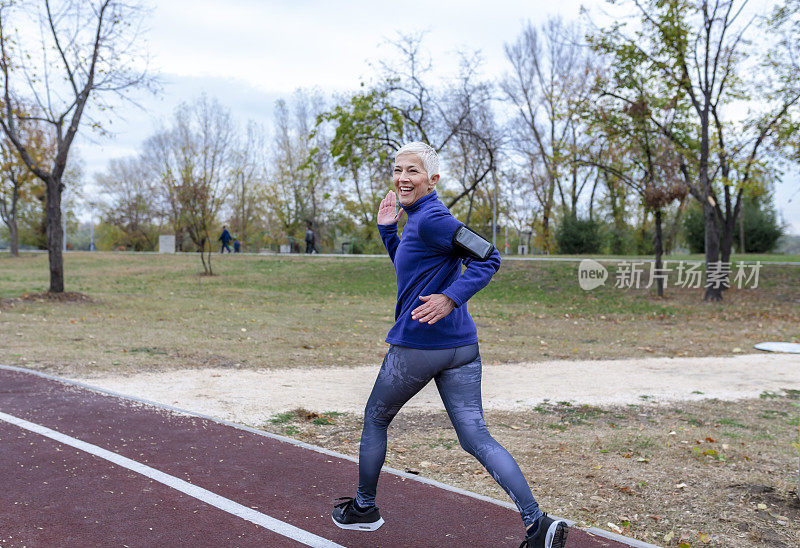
346,516
550,533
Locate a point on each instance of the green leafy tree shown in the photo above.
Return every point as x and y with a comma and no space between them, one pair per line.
760,228
699,49
403,106
18,185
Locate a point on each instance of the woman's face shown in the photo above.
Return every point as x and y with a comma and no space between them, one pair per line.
411,181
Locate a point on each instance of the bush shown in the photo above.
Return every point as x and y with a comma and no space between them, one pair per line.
761,228
644,239
578,236
618,240
694,228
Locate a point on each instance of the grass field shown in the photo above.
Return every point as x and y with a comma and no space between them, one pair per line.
708,473
156,312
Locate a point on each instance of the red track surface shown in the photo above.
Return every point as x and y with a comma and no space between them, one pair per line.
53,494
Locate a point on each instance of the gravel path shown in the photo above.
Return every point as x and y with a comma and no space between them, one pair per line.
251,397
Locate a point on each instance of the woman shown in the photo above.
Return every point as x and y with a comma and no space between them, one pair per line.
433,337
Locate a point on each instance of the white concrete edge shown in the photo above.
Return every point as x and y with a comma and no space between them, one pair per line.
394,471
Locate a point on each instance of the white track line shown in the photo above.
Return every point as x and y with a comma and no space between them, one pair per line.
226,505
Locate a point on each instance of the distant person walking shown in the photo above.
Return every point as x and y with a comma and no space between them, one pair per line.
225,238
237,247
434,338
310,240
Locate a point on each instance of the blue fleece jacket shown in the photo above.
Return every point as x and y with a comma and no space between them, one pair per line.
426,262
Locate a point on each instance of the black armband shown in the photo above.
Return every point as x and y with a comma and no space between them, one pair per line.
472,244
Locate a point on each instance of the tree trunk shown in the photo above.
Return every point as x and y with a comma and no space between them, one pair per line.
469,211
672,231
712,293
658,250
547,210
10,218
726,245
13,236
55,235
728,233
546,232
210,253
741,232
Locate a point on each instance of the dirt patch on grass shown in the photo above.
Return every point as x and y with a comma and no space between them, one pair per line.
708,473
63,297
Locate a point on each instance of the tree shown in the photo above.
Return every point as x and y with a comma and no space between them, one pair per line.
760,227
299,190
549,86
131,202
474,150
159,157
88,49
405,105
17,183
194,162
247,194
636,153
699,49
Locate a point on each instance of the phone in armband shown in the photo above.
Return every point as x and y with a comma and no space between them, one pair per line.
472,244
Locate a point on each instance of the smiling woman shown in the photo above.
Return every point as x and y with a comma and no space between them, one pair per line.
416,172
435,340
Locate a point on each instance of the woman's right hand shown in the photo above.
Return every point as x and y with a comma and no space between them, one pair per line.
387,212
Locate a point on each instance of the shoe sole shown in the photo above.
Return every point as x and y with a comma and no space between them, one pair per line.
374,526
556,535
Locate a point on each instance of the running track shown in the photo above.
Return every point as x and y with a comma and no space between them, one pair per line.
124,473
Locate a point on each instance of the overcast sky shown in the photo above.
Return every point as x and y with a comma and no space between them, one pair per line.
249,53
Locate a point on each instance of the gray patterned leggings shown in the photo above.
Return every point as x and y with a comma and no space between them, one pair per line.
457,372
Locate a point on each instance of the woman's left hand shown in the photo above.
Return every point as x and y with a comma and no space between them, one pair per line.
436,307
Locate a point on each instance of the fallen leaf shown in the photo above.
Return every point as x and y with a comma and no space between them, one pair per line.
669,536
703,537
761,506
777,516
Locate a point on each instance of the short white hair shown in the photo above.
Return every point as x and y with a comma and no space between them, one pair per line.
426,153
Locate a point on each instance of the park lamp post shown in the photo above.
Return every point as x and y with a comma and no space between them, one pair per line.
92,206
